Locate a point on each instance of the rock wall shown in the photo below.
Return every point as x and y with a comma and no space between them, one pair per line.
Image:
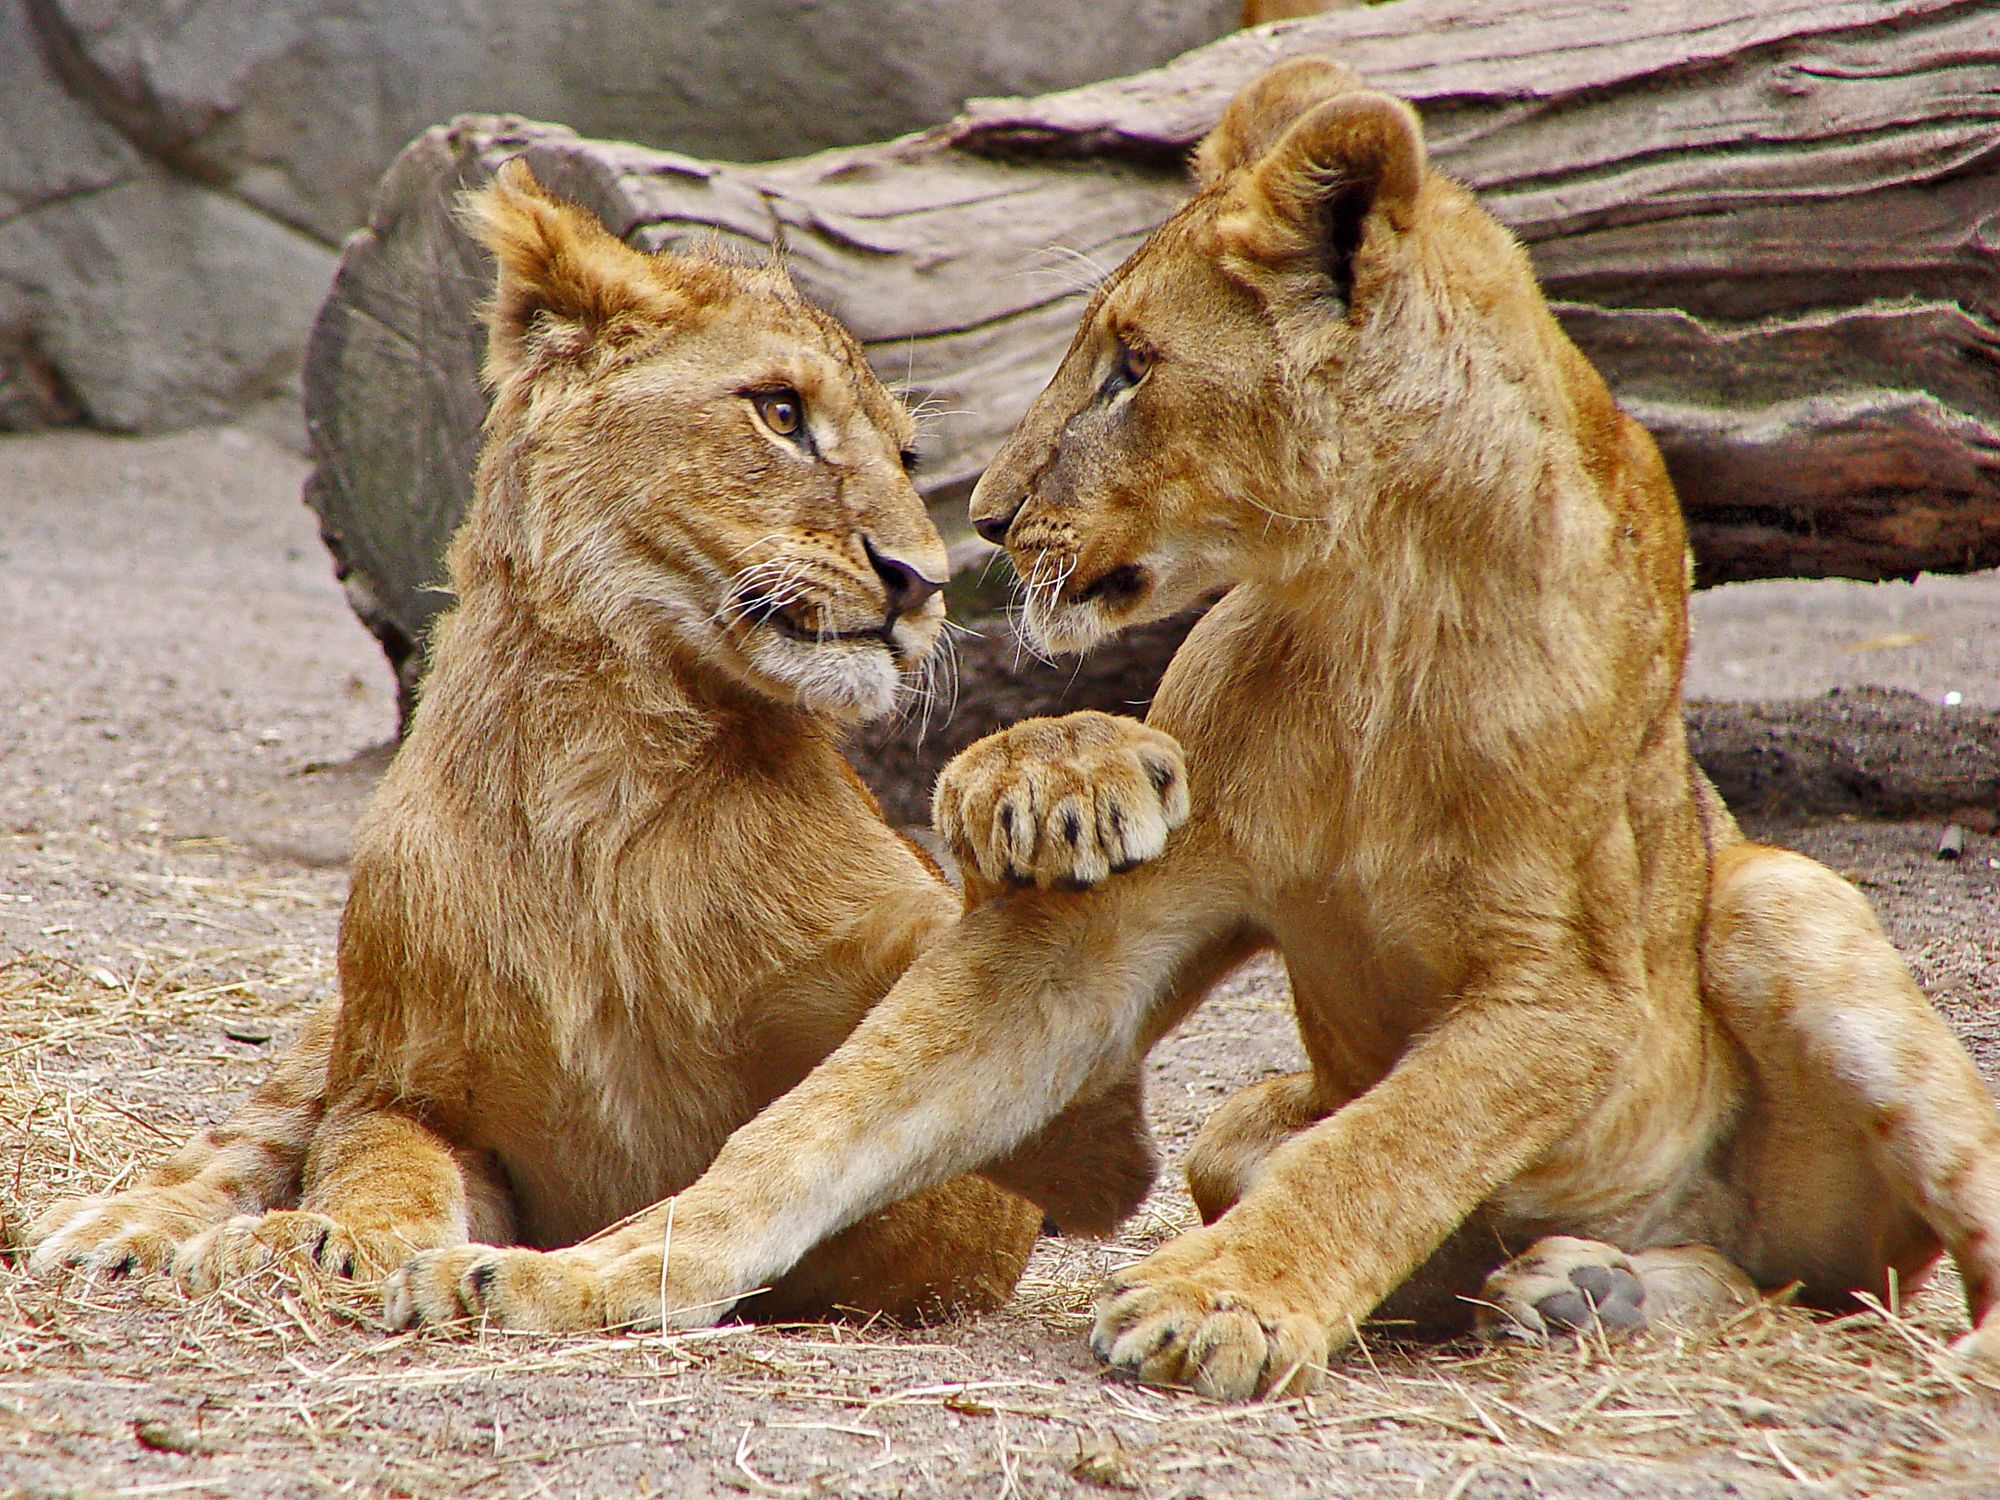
176,180
130,295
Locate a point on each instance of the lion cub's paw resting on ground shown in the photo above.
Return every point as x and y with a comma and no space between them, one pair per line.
619,889
558,1291
1198,1313
287,1241
1437,760
131,1233
1565,1285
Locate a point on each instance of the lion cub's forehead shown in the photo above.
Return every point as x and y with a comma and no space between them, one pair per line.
751,328
844,374
1153,292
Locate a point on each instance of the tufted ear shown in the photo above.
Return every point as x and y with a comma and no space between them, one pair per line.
1310,200
564,281
1264,108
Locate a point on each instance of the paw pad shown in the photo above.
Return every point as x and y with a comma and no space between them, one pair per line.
1563,1286
1602,1294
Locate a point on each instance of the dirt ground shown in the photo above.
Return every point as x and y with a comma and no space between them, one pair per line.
189,719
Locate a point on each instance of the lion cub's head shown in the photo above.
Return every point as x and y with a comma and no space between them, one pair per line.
1271,363
689,463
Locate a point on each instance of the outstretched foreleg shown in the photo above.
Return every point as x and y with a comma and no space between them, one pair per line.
1034,1000
251,1162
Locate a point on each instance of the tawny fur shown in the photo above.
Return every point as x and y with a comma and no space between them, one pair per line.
1257,12
619,889
1438,762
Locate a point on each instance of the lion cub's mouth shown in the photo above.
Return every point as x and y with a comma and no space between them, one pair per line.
780,618
1115,588
1072,616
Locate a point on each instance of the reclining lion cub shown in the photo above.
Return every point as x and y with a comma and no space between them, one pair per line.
619,889
1553,1002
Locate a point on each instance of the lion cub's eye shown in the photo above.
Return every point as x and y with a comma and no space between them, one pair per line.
782,411
1134,364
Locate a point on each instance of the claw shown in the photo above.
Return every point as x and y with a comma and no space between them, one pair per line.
1062,803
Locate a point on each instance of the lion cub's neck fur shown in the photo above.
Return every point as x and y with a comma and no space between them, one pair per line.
581,735
620,791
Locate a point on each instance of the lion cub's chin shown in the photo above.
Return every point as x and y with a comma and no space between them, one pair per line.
1066,629
1059,626
851,682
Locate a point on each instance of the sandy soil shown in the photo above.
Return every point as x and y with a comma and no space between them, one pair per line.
1799,638
190,719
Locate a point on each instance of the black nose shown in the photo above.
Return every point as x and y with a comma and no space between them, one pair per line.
994,528
904,585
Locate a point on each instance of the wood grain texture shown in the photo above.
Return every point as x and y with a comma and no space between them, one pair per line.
1773,224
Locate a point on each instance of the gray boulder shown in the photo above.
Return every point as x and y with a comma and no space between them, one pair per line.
175,179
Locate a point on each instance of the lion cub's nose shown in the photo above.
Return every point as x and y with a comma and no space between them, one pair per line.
994,528
906,587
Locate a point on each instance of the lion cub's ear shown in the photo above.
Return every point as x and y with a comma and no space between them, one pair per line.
1308,202
565,281
1262,110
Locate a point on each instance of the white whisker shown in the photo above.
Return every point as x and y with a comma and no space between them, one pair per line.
769,536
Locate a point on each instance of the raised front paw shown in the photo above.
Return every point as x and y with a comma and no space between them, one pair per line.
124,1234
291,1242
1187,1316
561,1291
1062,802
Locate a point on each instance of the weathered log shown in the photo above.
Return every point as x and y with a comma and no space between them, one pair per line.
1877,752
1770,222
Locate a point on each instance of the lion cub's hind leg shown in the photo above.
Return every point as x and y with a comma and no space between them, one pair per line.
1090,1167
379,1187
1559,1285
1872,1141
958,1247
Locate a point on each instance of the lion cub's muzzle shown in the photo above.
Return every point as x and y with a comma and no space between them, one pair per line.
797,616
905,587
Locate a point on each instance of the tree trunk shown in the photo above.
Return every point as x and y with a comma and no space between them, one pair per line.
1771,223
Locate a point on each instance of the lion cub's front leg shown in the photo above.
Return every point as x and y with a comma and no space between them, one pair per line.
1066,803
1102,794
1060,803
380,1185
249,1163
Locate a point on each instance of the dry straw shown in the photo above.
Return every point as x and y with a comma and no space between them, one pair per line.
103,1065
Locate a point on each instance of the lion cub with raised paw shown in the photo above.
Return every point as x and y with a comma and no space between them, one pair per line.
619,889
1554,1003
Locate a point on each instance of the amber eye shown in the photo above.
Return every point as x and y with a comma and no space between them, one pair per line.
1134,364
782,411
